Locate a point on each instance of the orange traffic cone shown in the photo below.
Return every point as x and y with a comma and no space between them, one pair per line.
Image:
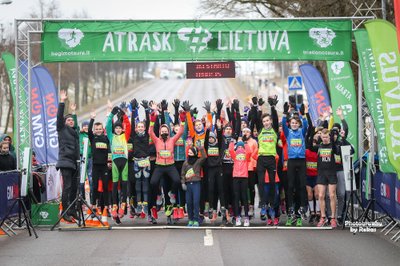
2,232
96,221
104,218
89,219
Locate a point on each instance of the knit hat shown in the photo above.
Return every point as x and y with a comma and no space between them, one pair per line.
240,144
85,123
67,116
194,150
117,124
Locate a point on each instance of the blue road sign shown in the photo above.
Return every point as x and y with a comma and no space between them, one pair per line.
295,83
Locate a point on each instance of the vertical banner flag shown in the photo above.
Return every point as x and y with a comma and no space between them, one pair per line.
9,62
317,94
343,95
38,121
49,111
373,96
397,19
387,60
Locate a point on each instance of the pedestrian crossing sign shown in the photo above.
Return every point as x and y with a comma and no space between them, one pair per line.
295,83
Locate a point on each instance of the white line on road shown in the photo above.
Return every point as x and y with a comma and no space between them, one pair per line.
208,238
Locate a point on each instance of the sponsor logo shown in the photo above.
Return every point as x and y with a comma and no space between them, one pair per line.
70,37
12,192
323,37
44,214
385,190
337,67
197,38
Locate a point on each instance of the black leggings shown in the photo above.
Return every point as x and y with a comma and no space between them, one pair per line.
215,178
297,182
252,183
100,172
165,171
264,164
227,170
70,186
240,186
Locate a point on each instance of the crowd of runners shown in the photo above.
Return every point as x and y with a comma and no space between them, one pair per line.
223,167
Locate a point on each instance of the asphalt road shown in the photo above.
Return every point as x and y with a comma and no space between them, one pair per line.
187,247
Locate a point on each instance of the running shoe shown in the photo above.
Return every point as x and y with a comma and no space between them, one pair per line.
238,221
206,207
139,207
210,213
263,213
121,210
159,200
117,220
190,224
302,213
251,211
154,213
168,210
333,223
299,222
270,222
114,210
339,220
132,211
214,216
276,221
289,221
322,222
195,224
246,222
172,197
145,208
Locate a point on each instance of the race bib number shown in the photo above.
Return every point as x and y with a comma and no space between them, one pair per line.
296,142
213,151
129,146
325,154
119,151
267,138
227,155
189,173
101,145
241,157
143,163
311,165
165,154
179,142
338,159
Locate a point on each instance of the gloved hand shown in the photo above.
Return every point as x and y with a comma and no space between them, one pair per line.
164,105
261,101
123,105
186,106
182,116
153,117
176,103
254,100
134,104
302,109
115,110
145,104
235,105
273,100
184,187
219,105
285,107
194,112
207,106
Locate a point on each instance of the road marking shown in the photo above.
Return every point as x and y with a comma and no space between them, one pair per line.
208,238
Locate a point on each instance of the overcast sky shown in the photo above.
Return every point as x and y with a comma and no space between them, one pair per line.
107,9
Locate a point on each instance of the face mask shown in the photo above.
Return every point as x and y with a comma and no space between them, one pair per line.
164,136
140,134
192,159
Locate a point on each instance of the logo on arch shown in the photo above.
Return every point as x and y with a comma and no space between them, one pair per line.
337,67
197,38
323,37
70,37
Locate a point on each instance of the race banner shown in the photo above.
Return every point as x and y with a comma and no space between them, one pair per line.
343,95
49,112
21,119
387,60
9,62
317,94
38,121
9,193
196,40
373,96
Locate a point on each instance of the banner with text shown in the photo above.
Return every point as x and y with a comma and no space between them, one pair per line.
197,40
373,96
343,95
387,60
317,94
49,101
9,193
